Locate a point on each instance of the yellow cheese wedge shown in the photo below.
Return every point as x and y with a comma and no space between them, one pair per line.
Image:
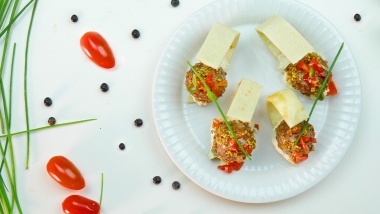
219,46
244,101
285,105
283,40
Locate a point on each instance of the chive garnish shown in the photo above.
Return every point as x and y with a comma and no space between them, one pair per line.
46,127
26,84
15,18
213,98
320,92
101,190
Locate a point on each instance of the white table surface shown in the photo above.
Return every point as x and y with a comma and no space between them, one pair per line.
59,69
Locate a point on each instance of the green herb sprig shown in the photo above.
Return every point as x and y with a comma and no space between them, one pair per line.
319,95
213,98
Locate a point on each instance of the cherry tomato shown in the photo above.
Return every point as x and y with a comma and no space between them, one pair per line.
76,204
332,89
65,173
97,49
231,166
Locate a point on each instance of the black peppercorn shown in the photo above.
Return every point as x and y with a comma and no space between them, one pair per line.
157,180
104,87
135,33
176,185
51,121
138,122
74,18
48,101
175,3
357,17
121,146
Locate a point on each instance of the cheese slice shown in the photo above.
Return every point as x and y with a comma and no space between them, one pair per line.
244,101
283,40
219,46
285,105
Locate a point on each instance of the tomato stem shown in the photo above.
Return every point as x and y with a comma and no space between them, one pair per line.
101,190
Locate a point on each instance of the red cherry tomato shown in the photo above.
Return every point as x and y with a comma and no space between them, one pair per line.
65,173
97,49
76,204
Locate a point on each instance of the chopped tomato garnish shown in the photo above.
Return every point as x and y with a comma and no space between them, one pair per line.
231,166
332,89
210,80
256,126
312,81
215,123
304,145
316,65
226,168
309,139
247,148
302,66
232,145
216,90
299,158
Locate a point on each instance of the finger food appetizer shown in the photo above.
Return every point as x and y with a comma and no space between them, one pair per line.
288,118
213,61
304,69
239,115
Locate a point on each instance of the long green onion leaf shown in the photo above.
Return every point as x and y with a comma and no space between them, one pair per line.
26,85
319,95
213,98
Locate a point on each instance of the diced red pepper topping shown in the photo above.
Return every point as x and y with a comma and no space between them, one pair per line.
209,80
304,145
256,126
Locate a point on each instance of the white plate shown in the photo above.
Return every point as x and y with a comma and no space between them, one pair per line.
184,128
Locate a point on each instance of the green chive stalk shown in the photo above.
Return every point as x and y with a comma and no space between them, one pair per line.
26,84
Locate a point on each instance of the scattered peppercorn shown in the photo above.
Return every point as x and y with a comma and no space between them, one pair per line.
156,179
121,146
51,121
48,101
175,3
176,185
135,33
74,18
357,17
138,122
104,87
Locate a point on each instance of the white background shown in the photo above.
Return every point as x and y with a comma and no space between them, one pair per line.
58,68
